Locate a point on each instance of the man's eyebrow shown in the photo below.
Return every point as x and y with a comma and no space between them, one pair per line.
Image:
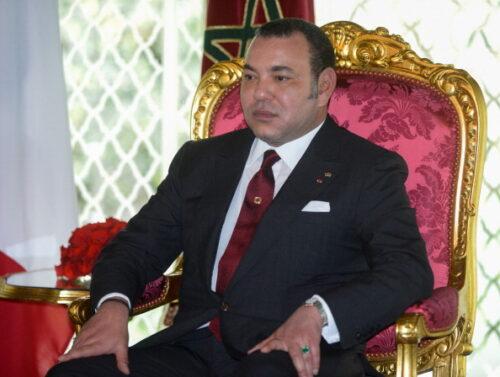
274,68
281,68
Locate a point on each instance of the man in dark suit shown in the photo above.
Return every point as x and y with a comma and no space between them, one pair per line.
299,242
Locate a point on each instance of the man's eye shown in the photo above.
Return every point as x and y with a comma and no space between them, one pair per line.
247,77
281,78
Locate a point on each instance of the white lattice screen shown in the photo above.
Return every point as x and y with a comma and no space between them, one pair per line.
128,105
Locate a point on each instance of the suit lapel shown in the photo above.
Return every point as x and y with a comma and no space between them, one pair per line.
314,173
226,168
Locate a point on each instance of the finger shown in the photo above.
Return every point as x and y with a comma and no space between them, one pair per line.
274,344
298,362
65,357
315,359
308,364
86,343
68,356
259,345
85,351
122,360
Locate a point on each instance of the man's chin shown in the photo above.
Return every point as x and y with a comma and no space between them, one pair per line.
269,139
264,132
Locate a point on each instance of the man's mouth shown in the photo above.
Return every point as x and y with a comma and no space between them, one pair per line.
263,115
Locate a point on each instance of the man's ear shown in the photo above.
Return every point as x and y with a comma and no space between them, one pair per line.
327,81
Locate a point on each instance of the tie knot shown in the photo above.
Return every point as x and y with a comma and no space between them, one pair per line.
270,158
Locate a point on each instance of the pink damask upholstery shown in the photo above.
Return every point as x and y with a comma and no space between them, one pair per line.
420,124
152,291
440,312
228,116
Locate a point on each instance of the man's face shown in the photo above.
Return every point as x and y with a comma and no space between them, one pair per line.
276,90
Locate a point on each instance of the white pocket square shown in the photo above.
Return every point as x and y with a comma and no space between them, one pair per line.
316,206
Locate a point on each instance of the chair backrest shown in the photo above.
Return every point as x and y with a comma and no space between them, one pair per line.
418,122
432,114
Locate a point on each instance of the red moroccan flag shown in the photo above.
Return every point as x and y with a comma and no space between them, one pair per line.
231,24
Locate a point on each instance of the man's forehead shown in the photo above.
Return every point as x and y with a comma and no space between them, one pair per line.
273,68
295,38
277,54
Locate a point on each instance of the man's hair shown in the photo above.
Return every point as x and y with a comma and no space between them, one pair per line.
320,50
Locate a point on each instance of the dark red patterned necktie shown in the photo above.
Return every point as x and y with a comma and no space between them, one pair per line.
259,195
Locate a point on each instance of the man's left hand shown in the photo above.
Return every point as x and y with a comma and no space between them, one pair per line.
300,332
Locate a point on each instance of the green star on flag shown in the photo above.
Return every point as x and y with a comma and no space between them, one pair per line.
231,25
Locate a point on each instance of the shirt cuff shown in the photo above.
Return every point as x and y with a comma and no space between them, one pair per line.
114,295
329,332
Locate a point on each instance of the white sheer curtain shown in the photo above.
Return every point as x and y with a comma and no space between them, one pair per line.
37,195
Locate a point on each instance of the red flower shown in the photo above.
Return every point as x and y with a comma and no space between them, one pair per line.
85,245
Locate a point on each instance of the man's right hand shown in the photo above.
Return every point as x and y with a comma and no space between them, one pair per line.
105,333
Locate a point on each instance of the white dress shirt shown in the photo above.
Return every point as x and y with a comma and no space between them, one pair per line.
290,153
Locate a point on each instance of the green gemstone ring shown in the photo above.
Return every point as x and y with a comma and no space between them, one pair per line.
305,349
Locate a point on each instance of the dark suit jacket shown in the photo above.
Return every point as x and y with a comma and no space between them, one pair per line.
365,257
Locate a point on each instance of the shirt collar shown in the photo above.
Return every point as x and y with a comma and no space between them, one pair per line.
290,153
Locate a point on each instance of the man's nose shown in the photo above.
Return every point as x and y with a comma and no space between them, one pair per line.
263,90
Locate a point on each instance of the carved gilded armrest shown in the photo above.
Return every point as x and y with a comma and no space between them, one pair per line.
433,318
160,292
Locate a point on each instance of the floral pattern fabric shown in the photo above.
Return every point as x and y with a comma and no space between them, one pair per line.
420,124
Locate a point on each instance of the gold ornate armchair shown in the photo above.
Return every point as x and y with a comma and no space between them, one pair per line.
435,117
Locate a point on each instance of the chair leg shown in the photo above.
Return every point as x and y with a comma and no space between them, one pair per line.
452,361
406,364
461,366
452,365
443,367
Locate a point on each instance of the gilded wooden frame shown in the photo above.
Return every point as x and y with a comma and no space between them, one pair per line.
41,294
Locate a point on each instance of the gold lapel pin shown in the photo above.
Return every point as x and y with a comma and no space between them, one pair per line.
328,174
257,200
